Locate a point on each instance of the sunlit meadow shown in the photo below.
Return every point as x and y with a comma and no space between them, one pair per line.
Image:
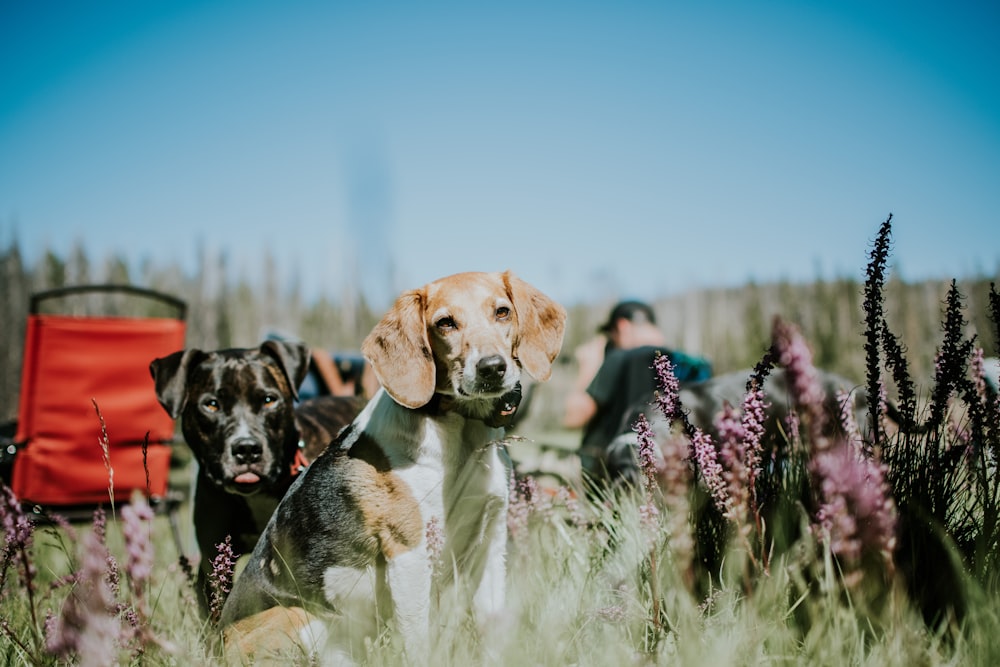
839,542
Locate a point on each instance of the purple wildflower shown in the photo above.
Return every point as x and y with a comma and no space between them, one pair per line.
649,521
612,614
568,499
707,459
100,524
615,613
732,453
646,452
754,415
113,575
977,366
138,519
667,398
18,534
807,392
221,580
518,510
729,425
794,426
435,542
856,515
526,499
88,625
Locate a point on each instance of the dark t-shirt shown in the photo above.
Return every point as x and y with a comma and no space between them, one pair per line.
627,379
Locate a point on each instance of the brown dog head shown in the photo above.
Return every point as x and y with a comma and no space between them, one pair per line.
467,336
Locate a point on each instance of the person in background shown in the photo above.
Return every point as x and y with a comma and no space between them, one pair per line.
342,375
615,374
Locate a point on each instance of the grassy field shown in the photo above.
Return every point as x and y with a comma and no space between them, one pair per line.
588,586
824,546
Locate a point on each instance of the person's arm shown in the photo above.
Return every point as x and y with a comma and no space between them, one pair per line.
580,406
328,371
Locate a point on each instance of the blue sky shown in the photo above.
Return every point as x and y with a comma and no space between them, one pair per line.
598,149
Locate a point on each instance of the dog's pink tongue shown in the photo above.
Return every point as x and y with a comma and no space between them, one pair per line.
247,478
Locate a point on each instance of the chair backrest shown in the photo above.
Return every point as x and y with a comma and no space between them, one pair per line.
85,382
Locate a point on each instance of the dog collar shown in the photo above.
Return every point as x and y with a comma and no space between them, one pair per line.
300,462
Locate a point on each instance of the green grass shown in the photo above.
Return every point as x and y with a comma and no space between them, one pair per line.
580,595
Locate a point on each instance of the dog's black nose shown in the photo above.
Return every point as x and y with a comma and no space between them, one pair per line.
247,451
491,369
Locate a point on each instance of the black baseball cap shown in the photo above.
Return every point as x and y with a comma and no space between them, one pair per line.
627,310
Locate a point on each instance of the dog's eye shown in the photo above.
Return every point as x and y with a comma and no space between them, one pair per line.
503,313
210,405
446,324
270,399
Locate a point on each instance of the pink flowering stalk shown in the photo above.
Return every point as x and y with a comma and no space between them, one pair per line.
18,534
568,499
667,398
795,356
857,517
711,471
646,452
527,499
518,509
977,367
649,522
793,426
731,474
648,512
754,415
221,580
732,455
434,536
88,625
137,518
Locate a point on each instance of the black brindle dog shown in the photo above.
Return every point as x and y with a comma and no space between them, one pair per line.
238,415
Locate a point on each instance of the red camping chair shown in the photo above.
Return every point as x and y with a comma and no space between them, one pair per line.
86,386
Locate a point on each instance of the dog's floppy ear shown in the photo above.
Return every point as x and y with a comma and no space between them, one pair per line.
293,359
170,377
400,354
540,325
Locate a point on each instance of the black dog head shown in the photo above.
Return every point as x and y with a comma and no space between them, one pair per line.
236,408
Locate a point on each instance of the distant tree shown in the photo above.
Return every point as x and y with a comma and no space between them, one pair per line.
53,272
13,310
78,266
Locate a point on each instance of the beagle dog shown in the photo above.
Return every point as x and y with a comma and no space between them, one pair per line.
355,541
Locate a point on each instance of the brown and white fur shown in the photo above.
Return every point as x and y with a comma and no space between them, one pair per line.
349,539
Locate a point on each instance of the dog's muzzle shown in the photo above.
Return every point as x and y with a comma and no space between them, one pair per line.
491,374
246,457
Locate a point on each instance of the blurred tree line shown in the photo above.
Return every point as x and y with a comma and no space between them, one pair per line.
729,326
732,326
